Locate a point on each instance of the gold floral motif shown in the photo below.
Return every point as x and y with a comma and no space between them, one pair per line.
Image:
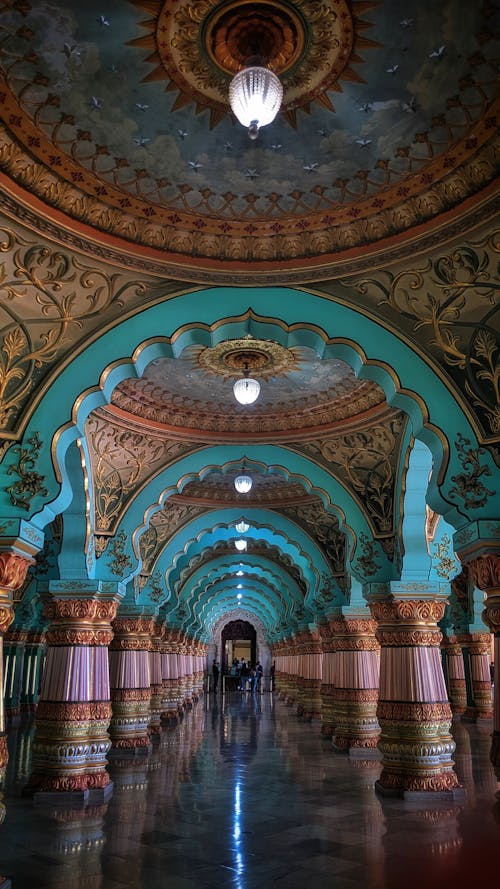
446,565
468,485
74,711
465,341
93,637
367,564
30,482
13,570
120,563
121,460
46,287
486,571
414,712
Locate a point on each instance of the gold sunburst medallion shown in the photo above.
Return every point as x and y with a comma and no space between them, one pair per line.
198,47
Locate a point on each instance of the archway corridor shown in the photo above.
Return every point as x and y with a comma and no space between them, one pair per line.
250,383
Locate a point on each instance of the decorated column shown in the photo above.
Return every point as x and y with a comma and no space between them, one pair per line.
327,680
14,651
170,678
478,649
130,683
36,644
155,672
356,678
311,669
456,674
14,563
486,571
71,741
413,709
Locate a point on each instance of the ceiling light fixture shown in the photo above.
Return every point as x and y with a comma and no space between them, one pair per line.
240,545
238,596
255,96
243,484
239,574
242,527
246,390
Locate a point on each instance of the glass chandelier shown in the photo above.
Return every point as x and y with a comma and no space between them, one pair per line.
240,545
243,484
255,96
242,527
246,390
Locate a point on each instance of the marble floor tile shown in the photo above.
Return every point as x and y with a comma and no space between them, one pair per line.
250,797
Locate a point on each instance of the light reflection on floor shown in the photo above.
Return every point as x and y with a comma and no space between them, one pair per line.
243,794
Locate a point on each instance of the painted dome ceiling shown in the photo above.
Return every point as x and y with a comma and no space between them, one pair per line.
120,121
300,393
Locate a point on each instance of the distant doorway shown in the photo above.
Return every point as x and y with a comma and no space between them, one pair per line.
239,640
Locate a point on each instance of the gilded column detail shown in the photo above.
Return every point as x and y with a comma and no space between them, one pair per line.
71,741
486,572
356,680
327,680
456,674
413,710
130,683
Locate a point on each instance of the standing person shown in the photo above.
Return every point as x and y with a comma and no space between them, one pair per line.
259,671
244,674
272,672
215,674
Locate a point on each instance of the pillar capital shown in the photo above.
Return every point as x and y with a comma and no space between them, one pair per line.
133,633
80,621
408,622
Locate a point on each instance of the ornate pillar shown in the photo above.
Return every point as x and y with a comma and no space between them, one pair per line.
456,674
36,644
312,657
356,677
170,682
155,671
478,647
413,710
130,684
327,680
486,573
13,569
14,651
71,741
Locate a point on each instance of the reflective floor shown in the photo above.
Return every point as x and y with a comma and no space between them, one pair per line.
244,795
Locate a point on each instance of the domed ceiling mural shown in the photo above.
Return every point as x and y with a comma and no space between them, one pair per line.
119,117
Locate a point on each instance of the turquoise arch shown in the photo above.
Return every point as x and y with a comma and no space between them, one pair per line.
375,352
314,478
261,568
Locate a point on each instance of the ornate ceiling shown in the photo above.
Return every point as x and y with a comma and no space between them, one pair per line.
126,186
121,122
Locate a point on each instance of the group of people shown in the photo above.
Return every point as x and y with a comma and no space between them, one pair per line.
248,676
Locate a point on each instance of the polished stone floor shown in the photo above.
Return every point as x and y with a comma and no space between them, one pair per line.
244,795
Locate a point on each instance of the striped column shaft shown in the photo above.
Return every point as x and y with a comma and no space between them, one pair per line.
456,674
486,573
130,682
72,718
356,679
479,648
327,680
156,679
413,710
